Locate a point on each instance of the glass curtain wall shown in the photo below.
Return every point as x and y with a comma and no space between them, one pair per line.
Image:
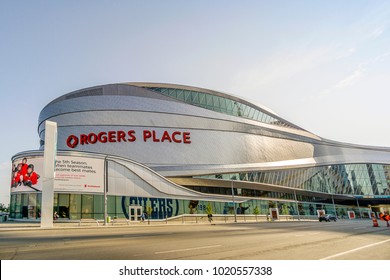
222,105
351,179
80,206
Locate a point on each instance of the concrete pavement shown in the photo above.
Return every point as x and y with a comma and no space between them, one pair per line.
345,239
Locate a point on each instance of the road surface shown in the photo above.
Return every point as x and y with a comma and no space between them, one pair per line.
345,239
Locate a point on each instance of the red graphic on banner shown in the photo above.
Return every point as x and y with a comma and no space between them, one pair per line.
24,174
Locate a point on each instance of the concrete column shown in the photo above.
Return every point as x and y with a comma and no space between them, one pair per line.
48,174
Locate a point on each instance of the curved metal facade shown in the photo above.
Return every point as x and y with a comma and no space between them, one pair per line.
219,137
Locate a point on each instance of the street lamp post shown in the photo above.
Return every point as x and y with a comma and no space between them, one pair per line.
234,203
105,189
331,194
296,202
369,207
360,212
334,206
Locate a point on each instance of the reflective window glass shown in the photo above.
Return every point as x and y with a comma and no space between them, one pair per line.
63,206
98,206
75,206
219,104
87,206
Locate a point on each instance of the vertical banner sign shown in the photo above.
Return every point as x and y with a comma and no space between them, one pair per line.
48,174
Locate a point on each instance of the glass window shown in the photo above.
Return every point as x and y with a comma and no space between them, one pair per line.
180,94
39,203
87,206
24,205
75,206
18,206
187,96
222,102
32,206
63,206
256,115
202,98
98,206
195,97
229,106
12,206
251,113
111,205
216,102
119,208
209,100
245,112
219,104
172,93
55,203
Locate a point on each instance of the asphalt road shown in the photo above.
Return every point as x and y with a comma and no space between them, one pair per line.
345,239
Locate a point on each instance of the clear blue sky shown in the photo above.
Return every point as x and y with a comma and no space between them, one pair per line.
324,65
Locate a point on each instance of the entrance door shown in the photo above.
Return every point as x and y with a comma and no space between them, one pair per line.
135,213
274,212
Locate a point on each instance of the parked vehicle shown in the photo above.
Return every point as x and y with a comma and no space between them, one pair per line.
327,218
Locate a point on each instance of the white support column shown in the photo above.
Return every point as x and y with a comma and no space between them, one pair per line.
48,174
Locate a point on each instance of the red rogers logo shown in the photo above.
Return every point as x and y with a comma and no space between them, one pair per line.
130,136
91,186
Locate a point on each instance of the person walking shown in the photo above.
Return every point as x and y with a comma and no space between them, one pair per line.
210,217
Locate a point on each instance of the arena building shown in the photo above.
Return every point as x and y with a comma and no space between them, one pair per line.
182,150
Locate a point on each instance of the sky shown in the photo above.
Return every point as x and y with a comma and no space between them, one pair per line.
323,65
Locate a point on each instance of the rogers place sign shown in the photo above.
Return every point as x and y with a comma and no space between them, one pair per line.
130,136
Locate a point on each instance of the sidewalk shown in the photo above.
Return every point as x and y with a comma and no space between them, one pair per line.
90,224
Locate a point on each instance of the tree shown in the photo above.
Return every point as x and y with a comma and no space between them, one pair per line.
284,209
4,208
209,211
149,211
256,211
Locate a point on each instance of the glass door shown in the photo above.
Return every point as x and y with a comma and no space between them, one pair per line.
135,213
